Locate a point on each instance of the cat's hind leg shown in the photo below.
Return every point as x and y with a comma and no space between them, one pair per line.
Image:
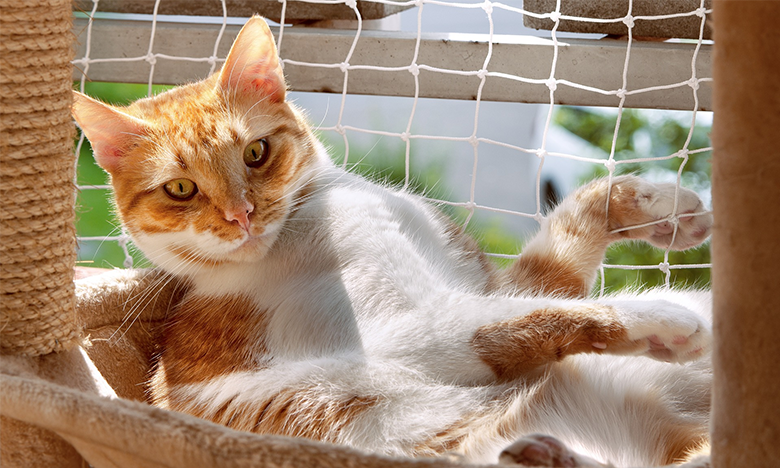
564,256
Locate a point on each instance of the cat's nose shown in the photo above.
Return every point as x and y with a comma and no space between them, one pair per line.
240,214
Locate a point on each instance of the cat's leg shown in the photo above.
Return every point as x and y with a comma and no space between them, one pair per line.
473,339
564,256
659,329
630,412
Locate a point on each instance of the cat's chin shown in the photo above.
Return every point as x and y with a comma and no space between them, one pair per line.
253,249
203,250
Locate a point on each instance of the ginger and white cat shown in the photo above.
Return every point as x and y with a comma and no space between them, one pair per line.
325,306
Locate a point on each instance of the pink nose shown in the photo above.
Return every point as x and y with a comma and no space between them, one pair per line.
240,214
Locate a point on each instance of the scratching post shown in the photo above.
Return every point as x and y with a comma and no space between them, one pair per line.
37,243
746,239
37,238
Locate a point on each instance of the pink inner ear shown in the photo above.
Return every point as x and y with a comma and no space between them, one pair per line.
252,66
266,82
110,132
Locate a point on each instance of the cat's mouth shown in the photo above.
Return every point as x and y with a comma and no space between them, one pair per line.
257,244
210,251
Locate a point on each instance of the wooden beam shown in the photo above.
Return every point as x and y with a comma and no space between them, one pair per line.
594,63
670,26
297,12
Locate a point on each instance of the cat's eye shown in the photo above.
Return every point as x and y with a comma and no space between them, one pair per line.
256,153
181,189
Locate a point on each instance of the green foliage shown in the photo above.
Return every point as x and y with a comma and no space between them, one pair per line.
644,135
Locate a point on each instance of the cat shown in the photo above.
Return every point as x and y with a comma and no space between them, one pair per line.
325,306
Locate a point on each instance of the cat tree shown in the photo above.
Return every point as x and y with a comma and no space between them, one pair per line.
57,405
745,422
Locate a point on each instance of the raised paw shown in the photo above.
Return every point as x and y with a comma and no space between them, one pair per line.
665,331
544,450
643,210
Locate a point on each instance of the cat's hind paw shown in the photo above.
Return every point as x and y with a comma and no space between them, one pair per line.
543,450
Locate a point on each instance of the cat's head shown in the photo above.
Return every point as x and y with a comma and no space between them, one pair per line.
208,172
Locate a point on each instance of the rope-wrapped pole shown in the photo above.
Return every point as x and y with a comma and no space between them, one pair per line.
37,194
746,238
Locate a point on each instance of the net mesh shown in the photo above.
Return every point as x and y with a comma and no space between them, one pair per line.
479,139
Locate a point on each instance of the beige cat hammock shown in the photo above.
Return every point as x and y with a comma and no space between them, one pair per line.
58,397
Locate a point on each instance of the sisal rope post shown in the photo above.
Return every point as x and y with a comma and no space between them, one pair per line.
37,193
746,238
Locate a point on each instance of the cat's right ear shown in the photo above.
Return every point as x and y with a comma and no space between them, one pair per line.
110,131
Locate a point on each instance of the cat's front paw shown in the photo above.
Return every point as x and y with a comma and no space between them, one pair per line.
544,450
646,210
667,331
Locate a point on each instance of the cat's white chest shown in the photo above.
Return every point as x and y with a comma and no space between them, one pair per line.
354,256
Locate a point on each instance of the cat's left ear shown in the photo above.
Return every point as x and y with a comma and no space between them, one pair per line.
252,66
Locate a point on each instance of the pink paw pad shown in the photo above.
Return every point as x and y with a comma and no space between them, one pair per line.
655,342
680,340
664,228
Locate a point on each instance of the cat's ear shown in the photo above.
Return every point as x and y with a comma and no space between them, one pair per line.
110,131
252,66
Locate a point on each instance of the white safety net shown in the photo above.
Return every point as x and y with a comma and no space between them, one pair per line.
487,143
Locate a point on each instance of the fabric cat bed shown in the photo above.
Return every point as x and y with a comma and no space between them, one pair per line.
85,403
